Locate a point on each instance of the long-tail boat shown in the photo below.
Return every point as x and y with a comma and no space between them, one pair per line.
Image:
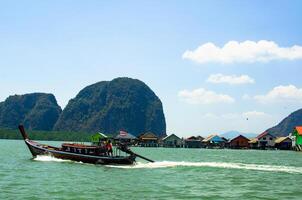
82,153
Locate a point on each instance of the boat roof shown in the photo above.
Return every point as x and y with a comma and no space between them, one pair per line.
74,145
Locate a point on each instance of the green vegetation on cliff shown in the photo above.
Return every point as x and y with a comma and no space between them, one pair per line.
47,135
287,125
109,106
37,111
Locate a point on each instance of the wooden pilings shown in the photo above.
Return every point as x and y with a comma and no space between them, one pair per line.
298,147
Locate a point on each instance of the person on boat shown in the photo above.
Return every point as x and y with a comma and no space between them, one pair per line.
101,142
109,148
103,147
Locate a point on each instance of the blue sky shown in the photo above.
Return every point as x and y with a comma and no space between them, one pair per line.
62,46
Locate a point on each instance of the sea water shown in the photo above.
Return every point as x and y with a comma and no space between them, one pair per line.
176,174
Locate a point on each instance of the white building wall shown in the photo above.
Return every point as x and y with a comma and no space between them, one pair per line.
270,140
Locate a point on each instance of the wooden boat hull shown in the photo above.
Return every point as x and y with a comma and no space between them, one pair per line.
82,153
39,149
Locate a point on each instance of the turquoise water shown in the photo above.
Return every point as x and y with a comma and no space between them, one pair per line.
177,174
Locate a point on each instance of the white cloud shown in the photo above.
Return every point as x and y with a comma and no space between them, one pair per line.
249,115
230,79
246,97
229,116
243,52
210,116
289,93
203,96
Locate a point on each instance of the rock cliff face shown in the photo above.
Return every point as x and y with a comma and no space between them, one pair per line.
109,106
287,125
37,111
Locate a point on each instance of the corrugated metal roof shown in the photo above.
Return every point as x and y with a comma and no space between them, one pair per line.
253,141
195,138
168,136
239,136
299,129
213,138
125,135
192,138
265,134
216,138
146,138
148,135
262,135
208,138
281,139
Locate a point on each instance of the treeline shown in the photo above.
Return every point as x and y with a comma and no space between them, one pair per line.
47,135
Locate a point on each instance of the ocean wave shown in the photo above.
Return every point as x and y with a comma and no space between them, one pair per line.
258,167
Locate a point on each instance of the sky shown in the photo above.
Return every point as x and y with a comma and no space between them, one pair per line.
216,65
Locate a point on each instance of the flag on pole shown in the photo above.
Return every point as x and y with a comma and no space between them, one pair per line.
123,133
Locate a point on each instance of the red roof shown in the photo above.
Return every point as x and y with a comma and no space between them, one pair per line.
299,129
192,138
262,135
239,136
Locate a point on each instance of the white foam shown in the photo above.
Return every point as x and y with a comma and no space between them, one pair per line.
165,164
49,158
170,164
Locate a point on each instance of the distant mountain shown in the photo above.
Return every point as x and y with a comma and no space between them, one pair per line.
37,111
287,125
109,106
233,134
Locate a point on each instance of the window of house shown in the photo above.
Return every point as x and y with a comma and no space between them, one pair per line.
270,138
264,138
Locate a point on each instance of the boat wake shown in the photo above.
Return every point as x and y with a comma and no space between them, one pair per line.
166,164
171,164
48,158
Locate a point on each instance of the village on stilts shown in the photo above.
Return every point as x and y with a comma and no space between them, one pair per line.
264,141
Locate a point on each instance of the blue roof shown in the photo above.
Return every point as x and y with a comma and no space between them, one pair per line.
216,139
